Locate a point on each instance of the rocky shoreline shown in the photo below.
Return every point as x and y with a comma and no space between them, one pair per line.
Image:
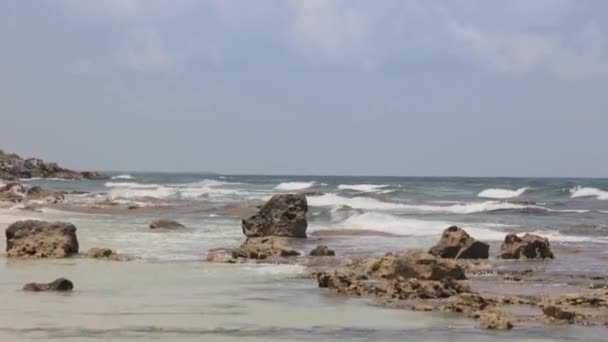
13,167
498,288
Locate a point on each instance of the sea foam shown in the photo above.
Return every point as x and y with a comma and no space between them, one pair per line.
580,192
498,193
292,186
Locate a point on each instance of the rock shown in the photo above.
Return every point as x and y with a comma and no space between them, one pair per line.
494,321
322,251
59,285
413,264
107,254
527,247
41,239
356,284
558,313
455,243
165,224
283,215
264,247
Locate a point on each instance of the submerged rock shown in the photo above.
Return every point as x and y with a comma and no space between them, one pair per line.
558,313
527,247
41,239
264,247
455,243
283,215
165,224
106,254
58,285
322,251
221,255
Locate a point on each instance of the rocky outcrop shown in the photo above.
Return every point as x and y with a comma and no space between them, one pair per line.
40,239
13,167
58,285
322,251
106,254
14,192
165,224
527,247
412,264
455,243
283,215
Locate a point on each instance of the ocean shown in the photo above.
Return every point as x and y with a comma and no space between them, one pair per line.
170,293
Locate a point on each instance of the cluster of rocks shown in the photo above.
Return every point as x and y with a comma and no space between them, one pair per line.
15,192
271,233
14,167
455,243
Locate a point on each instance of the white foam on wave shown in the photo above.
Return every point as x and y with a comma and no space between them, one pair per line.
292,186
497,193
207,188
366,203
580,192
125,176
363,187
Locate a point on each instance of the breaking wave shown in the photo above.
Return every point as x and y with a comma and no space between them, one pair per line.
362,187
497,193
292,186
580,192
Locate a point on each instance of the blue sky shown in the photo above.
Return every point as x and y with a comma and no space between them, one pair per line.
392,87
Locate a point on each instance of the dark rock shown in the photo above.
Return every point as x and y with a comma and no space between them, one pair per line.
455,243
527,247
322,251
40,239
59,285
283,215
165,224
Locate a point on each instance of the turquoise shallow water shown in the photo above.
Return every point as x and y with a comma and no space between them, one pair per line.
169,293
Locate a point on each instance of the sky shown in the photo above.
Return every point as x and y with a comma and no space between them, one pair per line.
338,87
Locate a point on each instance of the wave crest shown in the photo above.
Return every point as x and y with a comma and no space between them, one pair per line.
292,186
581,192
362,187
